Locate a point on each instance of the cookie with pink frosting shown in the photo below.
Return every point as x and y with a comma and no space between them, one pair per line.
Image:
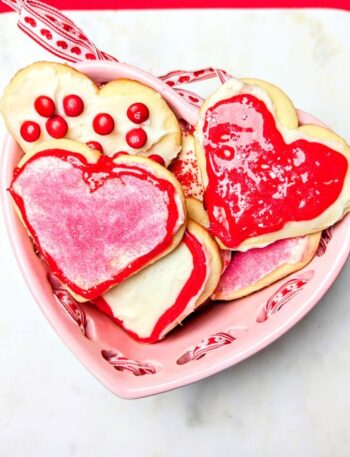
154,301
247,272
257,268
97,220
47,100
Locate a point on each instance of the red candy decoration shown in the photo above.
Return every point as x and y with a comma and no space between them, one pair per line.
136,138
45,106
95,145
103,124
73,105
138,113
57,127
30,131
157,158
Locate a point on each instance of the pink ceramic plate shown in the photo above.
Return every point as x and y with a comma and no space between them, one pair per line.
212,340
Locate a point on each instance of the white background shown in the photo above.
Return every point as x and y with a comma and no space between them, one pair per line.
292,399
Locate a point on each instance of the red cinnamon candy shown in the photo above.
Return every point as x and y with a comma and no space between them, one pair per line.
57,127
30,131
103,124
73,105
45,106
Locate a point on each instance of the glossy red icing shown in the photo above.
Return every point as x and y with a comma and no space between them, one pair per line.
257,182
103,124
30,131
57,127
45,106
73,105
94,224
138,113
190,290
136,138
95,145
157,158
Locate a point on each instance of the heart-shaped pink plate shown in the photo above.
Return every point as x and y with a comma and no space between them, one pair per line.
217,337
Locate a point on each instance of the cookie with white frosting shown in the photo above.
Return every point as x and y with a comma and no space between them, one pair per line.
46,101
154,301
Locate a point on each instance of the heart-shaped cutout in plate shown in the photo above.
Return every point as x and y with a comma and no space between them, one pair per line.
217,337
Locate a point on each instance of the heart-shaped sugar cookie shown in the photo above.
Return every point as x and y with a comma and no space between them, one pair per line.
266,179
250,271
96,220
188,275
46,101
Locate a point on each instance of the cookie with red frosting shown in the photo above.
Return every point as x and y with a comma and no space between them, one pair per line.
46,101
154,301
250,271
247,272
97,220
266,178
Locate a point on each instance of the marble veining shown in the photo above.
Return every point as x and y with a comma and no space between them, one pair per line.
291,398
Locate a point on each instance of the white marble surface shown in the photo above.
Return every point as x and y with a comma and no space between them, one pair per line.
294,397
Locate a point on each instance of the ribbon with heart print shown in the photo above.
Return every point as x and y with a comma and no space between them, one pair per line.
178,77
55,32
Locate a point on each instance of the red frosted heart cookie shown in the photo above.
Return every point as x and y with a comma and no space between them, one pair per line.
187,276
50,100
257,268
266,179
96,220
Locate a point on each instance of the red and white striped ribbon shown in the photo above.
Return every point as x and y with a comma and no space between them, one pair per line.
55,32
174,78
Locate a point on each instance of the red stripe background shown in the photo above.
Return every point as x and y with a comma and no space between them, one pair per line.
161,4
